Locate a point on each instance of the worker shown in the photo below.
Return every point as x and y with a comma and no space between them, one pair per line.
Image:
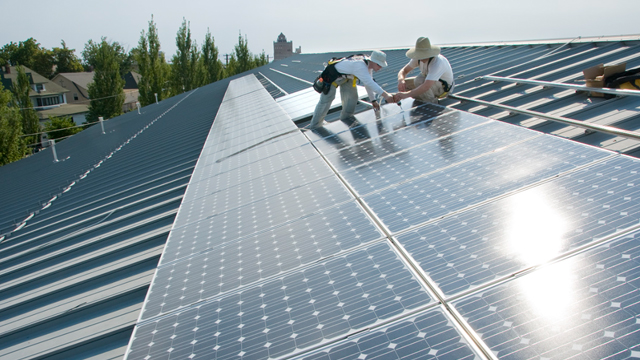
350,69
435,80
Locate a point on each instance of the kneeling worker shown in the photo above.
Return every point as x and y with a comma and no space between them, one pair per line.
435,80
351,69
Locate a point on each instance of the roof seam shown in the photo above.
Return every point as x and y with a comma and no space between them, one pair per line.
3,237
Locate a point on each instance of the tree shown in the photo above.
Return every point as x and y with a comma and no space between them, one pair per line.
241,59
261,59
182,67
212,66
107,89
29,119
152,66
123,58
29,53
12,147
66,60
60,127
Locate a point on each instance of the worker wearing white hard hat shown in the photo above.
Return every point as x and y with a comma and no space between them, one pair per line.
352,68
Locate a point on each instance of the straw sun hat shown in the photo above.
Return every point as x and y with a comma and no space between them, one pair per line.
423,49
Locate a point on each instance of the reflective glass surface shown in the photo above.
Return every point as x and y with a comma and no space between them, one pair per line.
528,228
426,336
482,178
221,267
414,232
290,313
585,307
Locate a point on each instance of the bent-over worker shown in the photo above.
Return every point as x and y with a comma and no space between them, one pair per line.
351,69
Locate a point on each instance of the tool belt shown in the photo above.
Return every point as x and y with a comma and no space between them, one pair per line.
446,87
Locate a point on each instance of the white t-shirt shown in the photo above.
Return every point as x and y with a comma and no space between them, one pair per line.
438,68
358,68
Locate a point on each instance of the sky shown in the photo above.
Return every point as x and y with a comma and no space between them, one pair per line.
316,26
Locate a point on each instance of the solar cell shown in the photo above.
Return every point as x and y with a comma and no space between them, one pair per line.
585,307
226,266
290,176
528,228
272,256
365,127
281,316
439,193
429,335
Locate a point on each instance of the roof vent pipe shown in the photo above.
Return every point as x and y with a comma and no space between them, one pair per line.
101,123
53,149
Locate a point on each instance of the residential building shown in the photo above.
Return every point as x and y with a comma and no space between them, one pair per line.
47,97
78,86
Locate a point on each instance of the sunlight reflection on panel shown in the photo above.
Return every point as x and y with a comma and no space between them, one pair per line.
535,227
549,291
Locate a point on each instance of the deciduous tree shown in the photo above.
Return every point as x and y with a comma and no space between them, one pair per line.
66,60
29,118
12,147
106,91
212,66
152,66
60,127
183,70
29,53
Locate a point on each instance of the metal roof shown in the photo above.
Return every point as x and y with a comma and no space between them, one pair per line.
83,237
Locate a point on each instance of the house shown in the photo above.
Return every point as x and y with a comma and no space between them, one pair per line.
78,86
464,231
47,97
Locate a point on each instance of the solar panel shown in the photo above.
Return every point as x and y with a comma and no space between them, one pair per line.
215,267
301,104
585,307
527,228
429,335
290,313
438,193
417,232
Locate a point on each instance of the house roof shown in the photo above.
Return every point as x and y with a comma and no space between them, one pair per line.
423,206
50,88
82,79
64,110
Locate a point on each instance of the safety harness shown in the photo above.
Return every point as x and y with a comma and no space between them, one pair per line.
330,75
445,85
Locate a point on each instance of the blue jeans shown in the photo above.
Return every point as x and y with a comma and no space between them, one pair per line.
348,96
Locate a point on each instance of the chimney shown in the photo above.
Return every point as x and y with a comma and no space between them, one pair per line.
7,69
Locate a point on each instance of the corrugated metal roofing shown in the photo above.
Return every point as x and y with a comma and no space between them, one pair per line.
74,276
75,273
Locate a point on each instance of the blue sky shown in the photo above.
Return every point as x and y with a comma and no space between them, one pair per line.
319,26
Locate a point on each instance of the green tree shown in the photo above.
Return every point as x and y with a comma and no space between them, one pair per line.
123,58
261,59
183,68
66,60
107,89
152,66
241,59
29,53
212,66
12,147
29,118
60,127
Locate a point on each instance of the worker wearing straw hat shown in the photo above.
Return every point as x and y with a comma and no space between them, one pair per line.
435,80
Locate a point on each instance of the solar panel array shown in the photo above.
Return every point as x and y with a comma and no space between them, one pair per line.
418,232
